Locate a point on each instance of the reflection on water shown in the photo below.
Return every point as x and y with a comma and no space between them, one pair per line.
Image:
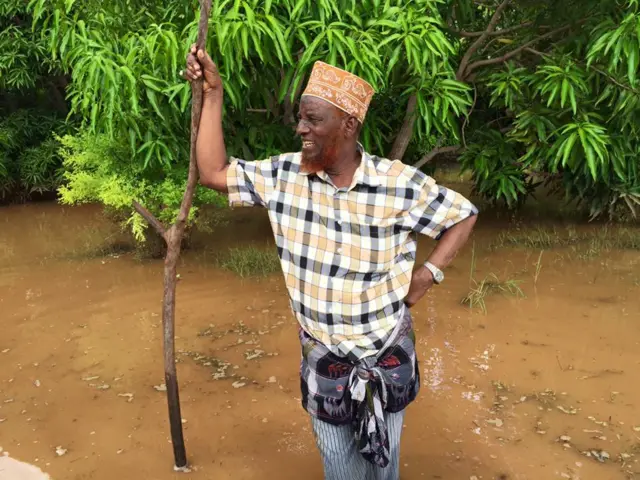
539,387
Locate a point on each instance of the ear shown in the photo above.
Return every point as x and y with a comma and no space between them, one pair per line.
351,126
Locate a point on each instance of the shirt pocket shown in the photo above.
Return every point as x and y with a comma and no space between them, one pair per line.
374,246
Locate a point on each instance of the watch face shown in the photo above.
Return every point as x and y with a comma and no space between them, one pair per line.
438,276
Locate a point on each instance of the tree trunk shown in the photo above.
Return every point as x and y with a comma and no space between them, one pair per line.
406,131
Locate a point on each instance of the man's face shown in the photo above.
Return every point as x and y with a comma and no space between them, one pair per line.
321,128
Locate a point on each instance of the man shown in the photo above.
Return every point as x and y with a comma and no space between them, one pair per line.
345,224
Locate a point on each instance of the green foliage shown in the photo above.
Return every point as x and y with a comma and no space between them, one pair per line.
23,55
98,169
496,172
550,95
570,122
29,162
125,79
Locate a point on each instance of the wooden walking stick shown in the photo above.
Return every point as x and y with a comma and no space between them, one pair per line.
173,237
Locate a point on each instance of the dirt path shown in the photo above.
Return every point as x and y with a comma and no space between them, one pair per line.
522,392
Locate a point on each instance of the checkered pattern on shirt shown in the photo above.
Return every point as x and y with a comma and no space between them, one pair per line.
347,253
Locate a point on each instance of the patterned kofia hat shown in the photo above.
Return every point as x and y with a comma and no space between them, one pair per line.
340,88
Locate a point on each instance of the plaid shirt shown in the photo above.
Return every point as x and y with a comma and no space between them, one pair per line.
347,253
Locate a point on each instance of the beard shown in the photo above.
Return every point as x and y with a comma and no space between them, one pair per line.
323,159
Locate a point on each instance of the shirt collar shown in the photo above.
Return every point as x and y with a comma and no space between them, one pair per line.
365,174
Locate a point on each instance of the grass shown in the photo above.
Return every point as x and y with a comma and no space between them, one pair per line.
585,245
607,240
251,261
490,285
537,238
538,268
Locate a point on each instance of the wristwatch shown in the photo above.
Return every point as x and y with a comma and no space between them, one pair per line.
438,276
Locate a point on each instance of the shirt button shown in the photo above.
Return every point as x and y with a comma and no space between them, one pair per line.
339,251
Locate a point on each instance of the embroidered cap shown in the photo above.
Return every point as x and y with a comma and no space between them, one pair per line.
345,90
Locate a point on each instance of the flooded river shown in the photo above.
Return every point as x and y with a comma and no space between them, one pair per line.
538,385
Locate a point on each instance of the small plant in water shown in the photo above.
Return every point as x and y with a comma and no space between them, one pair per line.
538,268
489,286
251,261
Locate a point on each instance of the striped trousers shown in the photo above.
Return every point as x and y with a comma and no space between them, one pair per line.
341,458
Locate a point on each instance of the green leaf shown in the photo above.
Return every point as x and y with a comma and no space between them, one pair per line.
632,65
277,28
567,149
574,104
151,95
565,92
245,41
395,56
133,89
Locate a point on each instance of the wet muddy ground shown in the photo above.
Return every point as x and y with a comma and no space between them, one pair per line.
542,385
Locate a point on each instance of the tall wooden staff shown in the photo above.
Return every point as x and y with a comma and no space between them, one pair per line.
173,237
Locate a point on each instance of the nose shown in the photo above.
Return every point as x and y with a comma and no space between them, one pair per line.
302,128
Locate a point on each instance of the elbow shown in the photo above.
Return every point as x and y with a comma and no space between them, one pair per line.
206,181
215,180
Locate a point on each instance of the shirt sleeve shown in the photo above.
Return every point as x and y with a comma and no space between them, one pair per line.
438,209
251,183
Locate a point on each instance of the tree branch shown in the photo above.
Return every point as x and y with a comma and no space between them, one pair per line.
466,118
478,43
536,52
435,152
613,80
465,34
150,218
513,53
173,237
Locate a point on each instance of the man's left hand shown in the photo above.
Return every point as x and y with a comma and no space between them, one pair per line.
421,282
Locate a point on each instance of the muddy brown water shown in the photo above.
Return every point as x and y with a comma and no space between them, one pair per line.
523,391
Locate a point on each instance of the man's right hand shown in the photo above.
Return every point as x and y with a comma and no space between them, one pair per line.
199,62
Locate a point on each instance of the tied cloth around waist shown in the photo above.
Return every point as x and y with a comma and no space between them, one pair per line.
388,381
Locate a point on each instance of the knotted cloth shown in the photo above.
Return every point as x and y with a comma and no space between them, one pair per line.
341,391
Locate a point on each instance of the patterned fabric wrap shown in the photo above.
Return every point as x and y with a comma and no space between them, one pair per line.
340,88
340,392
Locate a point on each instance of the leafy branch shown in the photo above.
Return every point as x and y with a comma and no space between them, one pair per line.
506,57
503,31
462,69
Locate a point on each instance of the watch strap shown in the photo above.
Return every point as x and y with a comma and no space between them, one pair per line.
438,275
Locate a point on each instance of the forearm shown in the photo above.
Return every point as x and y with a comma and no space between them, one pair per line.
211,153
451,242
